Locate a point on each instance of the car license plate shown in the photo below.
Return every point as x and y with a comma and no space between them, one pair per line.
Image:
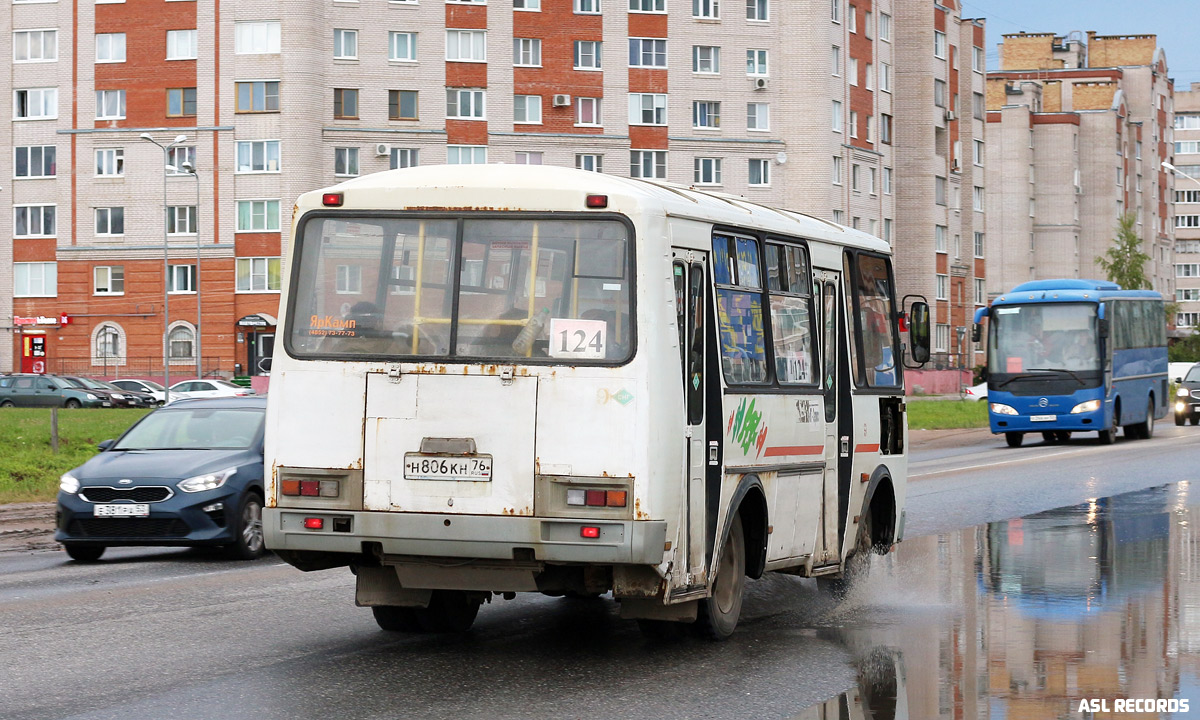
476,468
106,404
1043,418
122,510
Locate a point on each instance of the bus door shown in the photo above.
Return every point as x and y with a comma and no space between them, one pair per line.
836,393
688,276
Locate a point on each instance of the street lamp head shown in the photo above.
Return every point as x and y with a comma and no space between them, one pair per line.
1169,167
146,136
187,167
179,139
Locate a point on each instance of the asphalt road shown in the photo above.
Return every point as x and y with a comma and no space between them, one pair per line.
181,634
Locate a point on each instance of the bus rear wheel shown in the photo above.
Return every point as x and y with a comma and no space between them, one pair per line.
1014,439
718,613
449,611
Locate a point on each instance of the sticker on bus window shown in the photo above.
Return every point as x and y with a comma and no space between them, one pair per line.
578,339
1013,365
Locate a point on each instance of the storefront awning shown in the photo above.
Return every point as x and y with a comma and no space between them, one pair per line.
258,320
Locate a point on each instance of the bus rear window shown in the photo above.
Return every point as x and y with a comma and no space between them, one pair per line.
534,289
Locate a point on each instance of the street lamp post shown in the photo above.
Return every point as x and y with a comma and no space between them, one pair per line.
190,169
166,267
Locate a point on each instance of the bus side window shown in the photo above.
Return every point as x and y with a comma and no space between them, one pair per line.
679,278
829,348
695,381
788,280
739,310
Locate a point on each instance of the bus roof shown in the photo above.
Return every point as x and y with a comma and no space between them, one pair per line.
554,189
1070,290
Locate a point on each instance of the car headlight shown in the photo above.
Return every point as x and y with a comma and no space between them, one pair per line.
118,396
1002,409
1182,392
207,481
91,396
68,483
1089,406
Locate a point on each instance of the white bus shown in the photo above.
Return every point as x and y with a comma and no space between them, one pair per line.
499,378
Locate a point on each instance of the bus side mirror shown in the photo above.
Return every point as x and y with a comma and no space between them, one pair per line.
918,331
976,332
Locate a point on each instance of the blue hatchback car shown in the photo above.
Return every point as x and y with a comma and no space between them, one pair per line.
189,474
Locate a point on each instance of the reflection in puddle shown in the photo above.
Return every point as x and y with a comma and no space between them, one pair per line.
1024,618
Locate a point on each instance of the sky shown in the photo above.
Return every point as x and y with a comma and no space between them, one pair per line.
1175,22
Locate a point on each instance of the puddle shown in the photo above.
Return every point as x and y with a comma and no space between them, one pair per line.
1026,618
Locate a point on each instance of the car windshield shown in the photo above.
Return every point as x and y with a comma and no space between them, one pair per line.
90,384
148,384
1193,374
226,384
194,429
71,382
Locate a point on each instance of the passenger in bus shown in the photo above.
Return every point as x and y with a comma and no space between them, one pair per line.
372,338
1081,353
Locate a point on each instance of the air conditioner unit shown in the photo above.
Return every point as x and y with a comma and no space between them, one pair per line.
950,116
761,83
382,149
561,101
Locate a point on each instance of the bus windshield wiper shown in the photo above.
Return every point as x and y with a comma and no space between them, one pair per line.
1062,370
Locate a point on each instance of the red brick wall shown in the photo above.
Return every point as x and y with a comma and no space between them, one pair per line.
558,27
146,74
862,100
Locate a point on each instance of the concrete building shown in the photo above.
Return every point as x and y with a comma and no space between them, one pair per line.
1059,177
782,103
940,163
1185,185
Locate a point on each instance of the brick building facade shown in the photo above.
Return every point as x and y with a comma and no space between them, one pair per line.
1185,187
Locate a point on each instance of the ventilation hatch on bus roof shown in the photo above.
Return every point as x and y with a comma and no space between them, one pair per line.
1066,284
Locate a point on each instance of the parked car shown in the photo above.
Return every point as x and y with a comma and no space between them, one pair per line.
117,396
207,388
149,387
189,474
1187,397
28,390
976,392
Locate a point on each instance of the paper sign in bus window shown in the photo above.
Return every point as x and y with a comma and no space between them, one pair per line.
578,339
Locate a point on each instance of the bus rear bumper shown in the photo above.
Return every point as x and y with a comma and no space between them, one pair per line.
557,540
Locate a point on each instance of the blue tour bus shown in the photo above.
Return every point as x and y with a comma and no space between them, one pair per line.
1075,355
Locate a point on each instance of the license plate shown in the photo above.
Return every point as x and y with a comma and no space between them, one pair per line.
122,510
106,404
477,468
1043,418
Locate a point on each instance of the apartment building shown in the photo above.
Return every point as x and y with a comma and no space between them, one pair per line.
940,156
1060,178
778,102
1185,185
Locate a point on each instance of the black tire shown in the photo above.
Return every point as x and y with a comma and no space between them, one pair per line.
449,611
1062,436
857,564
1014,439
1180,420
72,404
84,553
1109,436
1195,420
6,404
1147,428
1050,436
718,613
394,618
248,541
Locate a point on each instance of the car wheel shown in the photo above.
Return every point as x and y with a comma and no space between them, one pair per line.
84,553
719,612
1195,419
248,539
72,404
6,404
1014,439
1180,420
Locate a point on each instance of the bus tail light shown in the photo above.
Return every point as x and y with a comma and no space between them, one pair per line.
597,498
310,488
331,199
597,202
314,523
589,531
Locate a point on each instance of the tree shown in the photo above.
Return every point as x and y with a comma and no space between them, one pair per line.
1124,263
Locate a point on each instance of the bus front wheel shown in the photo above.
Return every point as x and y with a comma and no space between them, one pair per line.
1014,439
1109,435
718,613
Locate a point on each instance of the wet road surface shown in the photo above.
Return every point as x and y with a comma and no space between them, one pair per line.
1012,597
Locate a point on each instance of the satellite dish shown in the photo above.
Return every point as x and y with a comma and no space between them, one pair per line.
781,157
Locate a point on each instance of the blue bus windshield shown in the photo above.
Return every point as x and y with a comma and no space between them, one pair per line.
1044,337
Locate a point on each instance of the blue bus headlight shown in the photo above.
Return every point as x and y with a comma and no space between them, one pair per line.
1089,406
1002,409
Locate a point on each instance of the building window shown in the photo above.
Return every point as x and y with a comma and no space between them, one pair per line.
349,280
35,104
885,27
110,47
464,104
402,104
110,104
108,341
647,109
835,61
978,244
402,46
939,238
648,164
706,59
181,102
1187,147
1187,294
851,18
257,156
885,129
855,172
939,44
885,77
980,292
852,72
1187,319
181,279
179,155
31,46
1184,270
110,221
257,96
35,279
1187,196
706,114
587,54
870,76
872,182
887,230
978,106
528,158
182,342
590,162
977,59
345,44
1184,121
181,44
466,154
853,123
34,221
758,116
258,274
707,171
256,38
259,215
108,280
527,52
939,93
757,9
587,111
1187,221
649,6
35,161
760,172
527,109
590,7
756,63
345,161
837,116
839,217
345,104
403,158
887,181
647,52
181,220
527,4
466,45
977,195
703,9
1187,246
943,287
838,165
